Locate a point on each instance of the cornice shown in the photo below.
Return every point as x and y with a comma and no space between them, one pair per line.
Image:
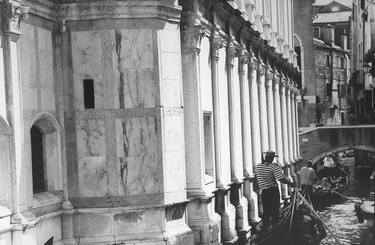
43,8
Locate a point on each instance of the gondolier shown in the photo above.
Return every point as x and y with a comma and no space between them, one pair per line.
308,177
267,174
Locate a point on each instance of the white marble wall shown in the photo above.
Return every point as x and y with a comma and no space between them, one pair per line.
2,83
5,184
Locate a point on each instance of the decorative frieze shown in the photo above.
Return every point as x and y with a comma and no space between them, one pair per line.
12,15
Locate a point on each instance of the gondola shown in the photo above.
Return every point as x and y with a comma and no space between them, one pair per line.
296,226
365,211
331,184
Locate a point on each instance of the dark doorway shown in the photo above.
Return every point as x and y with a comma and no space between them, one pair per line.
49,242
37,158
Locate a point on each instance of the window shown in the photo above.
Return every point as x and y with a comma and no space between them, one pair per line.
208,147
328,60
298,51
37,159
317,32
342,63
329,90
88,93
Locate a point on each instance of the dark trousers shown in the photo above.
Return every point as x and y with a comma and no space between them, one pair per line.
306,189
271,204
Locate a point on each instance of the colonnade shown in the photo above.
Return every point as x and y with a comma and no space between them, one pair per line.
253,107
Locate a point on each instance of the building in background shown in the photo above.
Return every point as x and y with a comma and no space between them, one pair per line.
140,122
361,79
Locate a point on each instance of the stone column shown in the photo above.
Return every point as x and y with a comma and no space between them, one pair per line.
284,131
263,108
235,124
216,44
270,110
222,205
199,217
292,134
12,14
252,208
254,111
289,120
297,134
293,112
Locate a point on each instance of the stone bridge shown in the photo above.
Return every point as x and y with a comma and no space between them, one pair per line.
317,142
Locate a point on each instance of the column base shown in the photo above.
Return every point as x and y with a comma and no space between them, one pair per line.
228,215
203,220
163,224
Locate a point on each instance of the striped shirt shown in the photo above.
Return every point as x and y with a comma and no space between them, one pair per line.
267,175
307,176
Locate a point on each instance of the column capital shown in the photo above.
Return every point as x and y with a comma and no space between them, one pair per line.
217,43
261,69
192,37
12,15
243,59
269,74
276,81
232,52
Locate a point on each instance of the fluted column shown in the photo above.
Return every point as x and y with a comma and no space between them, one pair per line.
246,137
263,108
254,111
216,44
270,111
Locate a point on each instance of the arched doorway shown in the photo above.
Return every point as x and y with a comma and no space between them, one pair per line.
5,166
45,150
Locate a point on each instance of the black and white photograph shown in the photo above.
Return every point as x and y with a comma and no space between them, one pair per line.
187,122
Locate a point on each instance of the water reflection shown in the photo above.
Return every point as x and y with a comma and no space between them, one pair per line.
340,216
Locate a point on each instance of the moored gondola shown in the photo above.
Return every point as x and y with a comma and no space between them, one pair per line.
298,225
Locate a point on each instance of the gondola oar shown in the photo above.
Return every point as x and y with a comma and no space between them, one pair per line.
340,194
349,175
317,215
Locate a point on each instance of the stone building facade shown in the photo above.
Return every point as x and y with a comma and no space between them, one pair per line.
140,122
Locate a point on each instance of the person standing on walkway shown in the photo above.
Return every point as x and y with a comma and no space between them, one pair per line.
267,174
308,177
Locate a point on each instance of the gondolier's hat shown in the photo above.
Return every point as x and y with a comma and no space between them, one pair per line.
271,154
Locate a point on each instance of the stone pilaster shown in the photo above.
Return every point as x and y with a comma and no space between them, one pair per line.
263,108
293,115
200,219
289,121
11,16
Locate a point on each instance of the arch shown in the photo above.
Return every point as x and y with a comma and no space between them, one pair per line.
49,127
367,148
46,122
299,41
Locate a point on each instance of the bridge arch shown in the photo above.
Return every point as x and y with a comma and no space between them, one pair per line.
367,148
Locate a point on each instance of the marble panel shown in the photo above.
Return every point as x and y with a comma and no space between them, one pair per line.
30,98
224,118
91,138
52,162
169,38
139,221
173,132
93,176
48,99
87,64
47,229
134,48
171,79
45,57
139,162
174,177
91,224
205,75
28,68
135,88
5,171
6,238
170,65
2,84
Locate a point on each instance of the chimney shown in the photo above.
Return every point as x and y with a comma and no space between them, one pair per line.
344,40
329,34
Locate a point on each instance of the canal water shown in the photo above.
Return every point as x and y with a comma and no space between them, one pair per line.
339,215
